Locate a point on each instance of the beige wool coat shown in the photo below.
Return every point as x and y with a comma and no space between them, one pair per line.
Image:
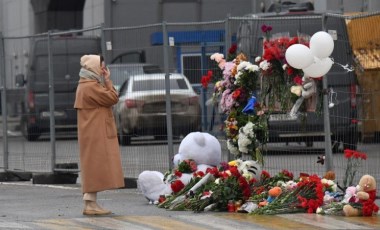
100,161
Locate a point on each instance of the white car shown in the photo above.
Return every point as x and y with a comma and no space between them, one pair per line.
141,109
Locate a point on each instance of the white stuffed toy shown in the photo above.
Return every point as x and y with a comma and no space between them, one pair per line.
308,89
203,148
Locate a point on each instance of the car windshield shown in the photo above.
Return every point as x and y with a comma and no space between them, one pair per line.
158,84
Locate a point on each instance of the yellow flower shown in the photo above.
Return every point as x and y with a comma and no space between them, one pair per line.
232,163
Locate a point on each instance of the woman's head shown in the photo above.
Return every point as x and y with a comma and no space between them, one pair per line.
92,63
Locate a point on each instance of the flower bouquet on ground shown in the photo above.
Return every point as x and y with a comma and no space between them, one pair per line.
213,191
305,196
354,159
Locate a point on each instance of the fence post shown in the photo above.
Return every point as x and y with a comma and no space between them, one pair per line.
227,36
167,93
4,111
51,104
103,42
326,116
203,90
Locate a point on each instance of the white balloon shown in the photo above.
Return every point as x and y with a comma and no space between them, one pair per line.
319,68
321,44
299,56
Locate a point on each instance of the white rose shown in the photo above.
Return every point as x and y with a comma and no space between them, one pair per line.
257,59
252,68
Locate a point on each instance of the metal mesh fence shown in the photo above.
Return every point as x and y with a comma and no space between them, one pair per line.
136,59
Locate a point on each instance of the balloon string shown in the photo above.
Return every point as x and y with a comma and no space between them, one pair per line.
345,67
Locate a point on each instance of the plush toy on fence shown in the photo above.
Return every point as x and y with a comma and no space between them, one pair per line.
197,152
304,91
366,196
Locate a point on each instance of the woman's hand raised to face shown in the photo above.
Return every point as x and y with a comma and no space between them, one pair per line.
106,73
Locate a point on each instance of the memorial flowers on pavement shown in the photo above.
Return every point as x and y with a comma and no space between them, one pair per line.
305,196
219,186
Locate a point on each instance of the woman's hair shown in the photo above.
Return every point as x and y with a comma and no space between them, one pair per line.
101,59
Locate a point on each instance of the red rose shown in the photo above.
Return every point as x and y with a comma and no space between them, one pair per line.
214,171
265,174
297,80
178,173
234,171
232,49
236,94
177,186
289,70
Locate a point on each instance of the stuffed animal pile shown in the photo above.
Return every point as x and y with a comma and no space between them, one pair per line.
199,149
366,195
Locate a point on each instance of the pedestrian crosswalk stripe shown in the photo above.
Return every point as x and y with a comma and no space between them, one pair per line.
203,221
161,222
217,222
58,224
267,221
322,221
10,225
110,223
373,221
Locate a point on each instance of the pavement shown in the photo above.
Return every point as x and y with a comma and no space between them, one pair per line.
24,205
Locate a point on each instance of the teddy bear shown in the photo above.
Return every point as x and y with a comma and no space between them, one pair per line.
350,195
198,149
249,169
366,195
304,91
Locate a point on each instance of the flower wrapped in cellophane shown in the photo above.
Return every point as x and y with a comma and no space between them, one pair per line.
212,191
305,196
246,122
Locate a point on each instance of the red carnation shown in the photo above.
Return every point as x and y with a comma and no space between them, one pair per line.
348,153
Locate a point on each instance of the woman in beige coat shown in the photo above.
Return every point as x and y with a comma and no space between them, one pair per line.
100,161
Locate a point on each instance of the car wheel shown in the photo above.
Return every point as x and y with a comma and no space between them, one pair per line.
124,139
31,133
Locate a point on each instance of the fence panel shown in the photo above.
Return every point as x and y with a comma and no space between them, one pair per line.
362,42
343,97
294,144
21,154
141,111
28,66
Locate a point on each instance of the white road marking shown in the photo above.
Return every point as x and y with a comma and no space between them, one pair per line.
322,221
